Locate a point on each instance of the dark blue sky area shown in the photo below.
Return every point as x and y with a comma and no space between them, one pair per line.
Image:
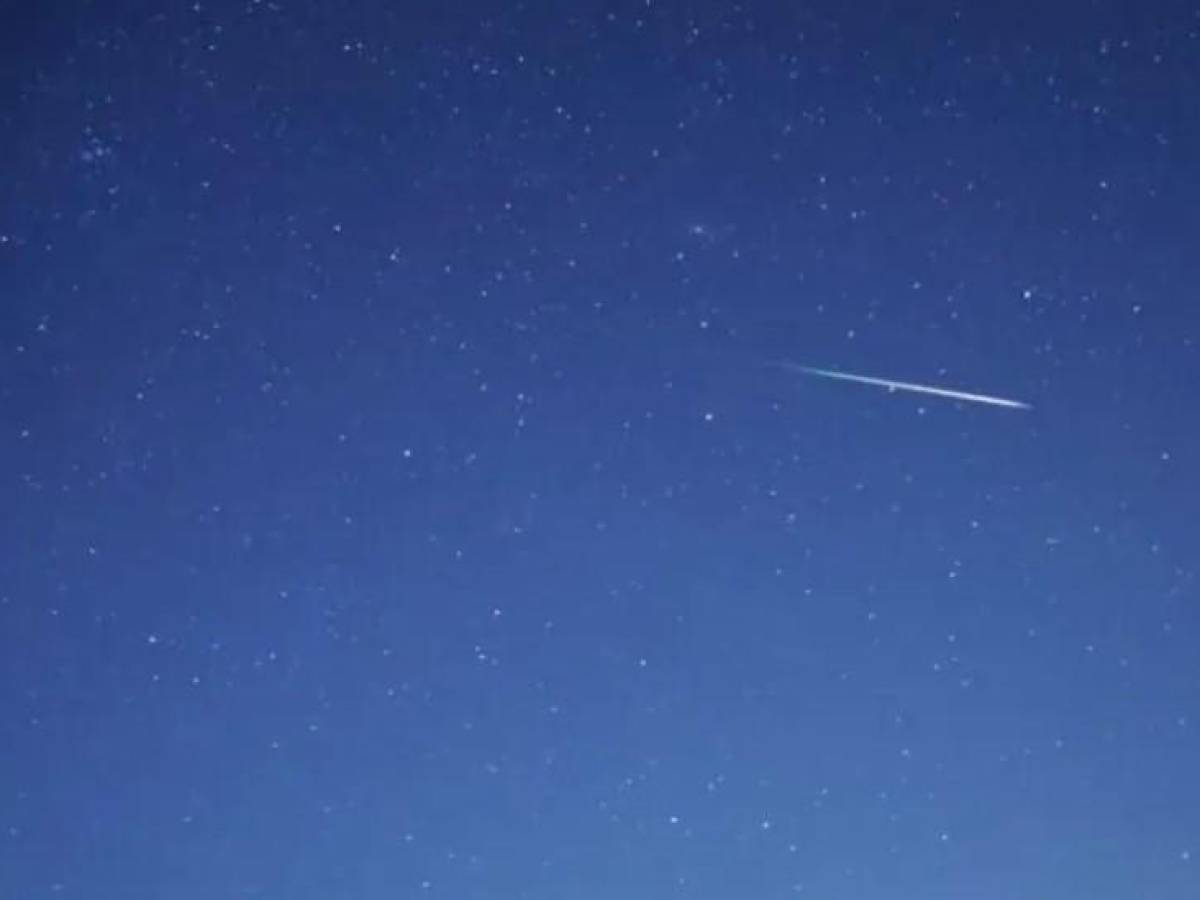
403,497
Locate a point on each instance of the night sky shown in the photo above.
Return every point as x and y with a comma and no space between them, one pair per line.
409,491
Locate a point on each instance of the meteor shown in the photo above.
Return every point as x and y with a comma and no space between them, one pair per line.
947,393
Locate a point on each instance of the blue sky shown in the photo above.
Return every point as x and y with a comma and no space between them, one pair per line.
403,498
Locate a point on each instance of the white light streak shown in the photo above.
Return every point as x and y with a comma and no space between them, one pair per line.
911,387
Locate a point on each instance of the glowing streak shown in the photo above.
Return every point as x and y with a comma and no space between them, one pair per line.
909,386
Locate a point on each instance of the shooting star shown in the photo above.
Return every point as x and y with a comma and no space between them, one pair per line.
948,393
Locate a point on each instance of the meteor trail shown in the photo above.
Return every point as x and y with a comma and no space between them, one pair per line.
891,385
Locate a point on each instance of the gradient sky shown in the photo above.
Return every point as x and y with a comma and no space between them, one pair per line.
403,497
